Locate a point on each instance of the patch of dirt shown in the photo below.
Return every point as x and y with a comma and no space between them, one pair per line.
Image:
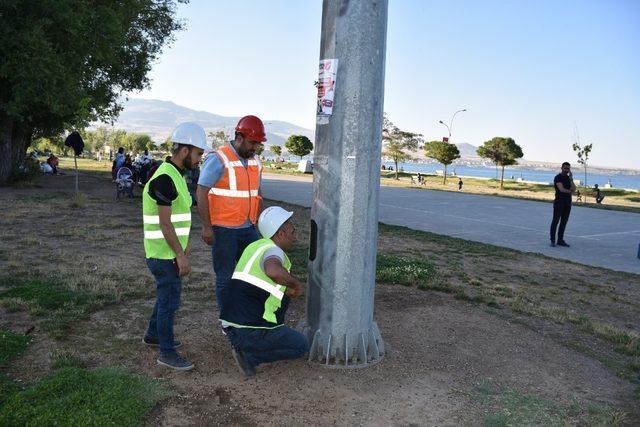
438,349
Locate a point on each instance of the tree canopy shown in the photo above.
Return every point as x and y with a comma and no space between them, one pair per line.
398,143
218,138
298,145
66,63
443,152
502,151
276,149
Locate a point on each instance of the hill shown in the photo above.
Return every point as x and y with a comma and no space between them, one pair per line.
158,118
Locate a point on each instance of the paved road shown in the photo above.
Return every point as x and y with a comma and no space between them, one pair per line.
598,237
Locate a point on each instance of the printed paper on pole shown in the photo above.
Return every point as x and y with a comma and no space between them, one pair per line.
328,70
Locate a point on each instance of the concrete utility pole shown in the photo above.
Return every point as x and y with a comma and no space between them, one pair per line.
344,212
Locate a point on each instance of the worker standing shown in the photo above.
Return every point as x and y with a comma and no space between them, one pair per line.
166,207
229,199
258,297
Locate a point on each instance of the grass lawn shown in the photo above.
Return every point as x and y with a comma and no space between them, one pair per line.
66,267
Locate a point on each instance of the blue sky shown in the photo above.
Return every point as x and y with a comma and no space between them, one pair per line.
531,70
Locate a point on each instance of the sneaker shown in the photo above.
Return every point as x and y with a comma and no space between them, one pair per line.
154,342
563,243
174,361
247,369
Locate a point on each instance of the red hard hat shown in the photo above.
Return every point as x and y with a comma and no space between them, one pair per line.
252,128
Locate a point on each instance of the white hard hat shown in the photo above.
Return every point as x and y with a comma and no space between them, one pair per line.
190,133
271,219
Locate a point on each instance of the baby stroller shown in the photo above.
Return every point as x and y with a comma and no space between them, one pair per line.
124,182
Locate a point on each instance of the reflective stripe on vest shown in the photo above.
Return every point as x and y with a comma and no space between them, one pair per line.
249,271
155,245
235,198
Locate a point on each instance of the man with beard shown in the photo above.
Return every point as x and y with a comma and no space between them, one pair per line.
166,208
564,187
229,199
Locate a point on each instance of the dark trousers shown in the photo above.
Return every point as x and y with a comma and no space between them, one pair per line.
561,211
168,289
226,250
268,345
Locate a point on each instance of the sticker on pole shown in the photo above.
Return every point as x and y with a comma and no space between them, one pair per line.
328,70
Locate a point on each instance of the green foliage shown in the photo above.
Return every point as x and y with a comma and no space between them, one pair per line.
502,151
403,270
48,87
26,172
398,143
443,152
218,138
60,307
512,407
583,156
298,145
74,396
166,145
276,149
7,389
12,345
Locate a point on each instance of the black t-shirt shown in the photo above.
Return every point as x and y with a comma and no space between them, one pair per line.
566,183
162,189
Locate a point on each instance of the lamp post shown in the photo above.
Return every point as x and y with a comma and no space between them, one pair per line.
450,125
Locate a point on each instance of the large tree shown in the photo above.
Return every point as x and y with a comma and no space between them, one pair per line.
502,151
443,152
398,143
66,63
298,145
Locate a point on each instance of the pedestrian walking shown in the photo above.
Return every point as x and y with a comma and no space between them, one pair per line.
166,208
229,199
564,187
460,183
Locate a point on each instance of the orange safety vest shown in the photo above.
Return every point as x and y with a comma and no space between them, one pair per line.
234,198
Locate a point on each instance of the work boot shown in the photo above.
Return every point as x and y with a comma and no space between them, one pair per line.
563,243
175,361
154,342
247,369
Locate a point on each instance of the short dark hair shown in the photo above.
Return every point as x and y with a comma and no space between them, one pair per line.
177,147
566,164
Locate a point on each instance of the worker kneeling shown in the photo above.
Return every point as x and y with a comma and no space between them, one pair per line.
256,300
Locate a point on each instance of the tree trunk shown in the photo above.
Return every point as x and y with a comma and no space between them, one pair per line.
6,158
502,179
585,174
445,175
396,171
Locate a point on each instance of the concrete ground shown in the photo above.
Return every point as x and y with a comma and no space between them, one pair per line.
597,237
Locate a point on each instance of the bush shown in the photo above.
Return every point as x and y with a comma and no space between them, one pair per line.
25,173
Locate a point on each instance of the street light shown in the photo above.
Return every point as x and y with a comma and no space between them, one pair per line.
450,126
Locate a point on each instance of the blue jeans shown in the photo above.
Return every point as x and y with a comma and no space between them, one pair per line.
268,345
226,251
168,289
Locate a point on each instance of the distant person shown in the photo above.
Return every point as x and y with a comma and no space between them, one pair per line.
564,186
53,162
383,167
598,193
128,163
578,196
460,183
118,162
420,178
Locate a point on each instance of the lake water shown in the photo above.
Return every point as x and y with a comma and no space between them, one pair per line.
617,180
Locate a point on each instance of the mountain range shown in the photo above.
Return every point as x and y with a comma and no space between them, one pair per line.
158,118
